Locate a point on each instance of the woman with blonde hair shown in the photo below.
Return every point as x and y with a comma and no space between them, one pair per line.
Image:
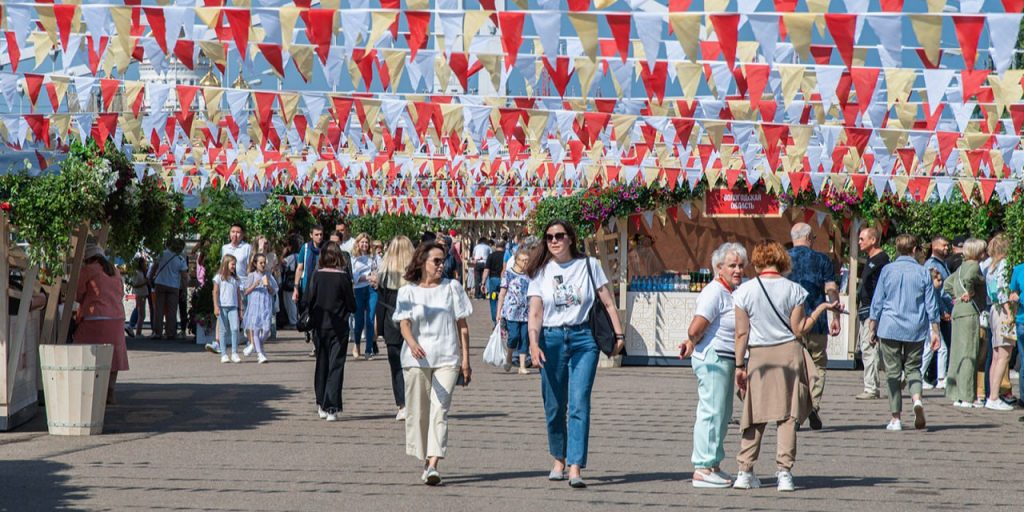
390,277
967,287
1002,322
364,267
775,382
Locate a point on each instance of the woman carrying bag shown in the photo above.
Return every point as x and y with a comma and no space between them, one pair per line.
389,280
565,286
775,382
967,287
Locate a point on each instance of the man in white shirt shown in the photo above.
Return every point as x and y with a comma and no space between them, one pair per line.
167,275
238,248
480,253
347,243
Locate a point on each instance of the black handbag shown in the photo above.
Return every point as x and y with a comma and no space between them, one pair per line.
599,320
304,324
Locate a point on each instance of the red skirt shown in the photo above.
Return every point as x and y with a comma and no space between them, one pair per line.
109,332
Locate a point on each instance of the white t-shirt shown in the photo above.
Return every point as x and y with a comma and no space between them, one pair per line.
228,288
566,291
715,304
348,245
481,252
362,267
433,313
765,327
169,268
242,253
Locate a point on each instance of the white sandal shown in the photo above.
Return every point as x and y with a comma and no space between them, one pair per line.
710,481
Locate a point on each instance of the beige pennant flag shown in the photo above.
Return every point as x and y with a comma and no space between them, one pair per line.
798,26
741,110
899,83
49,21
936,6
493,65
395,62
997,159
715,6
41,46
746,51
380,22
900,182
302,56
209,16
892,138
801,134
442,71
287,17
713,176
792,77
585,71
650,174
122,17
471,24
686,27
132,89
289,105
372,110
689,74
819,7
535,127
212,96
597,151
585,24
906,113
1007,91
131,126
62,122
727,156
715,130
623,125
600,4
61,84
214,50
975,140
928,30
453,118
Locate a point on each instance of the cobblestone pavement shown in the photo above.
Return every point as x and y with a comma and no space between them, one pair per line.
190,433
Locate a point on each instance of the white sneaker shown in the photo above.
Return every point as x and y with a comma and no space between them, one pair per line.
225,359
941,384
785,481
432,477
927,385
332,416
961,404
262,359
321,412
401,415
235,358
247,351
212,348
894,425
978,404
998,405
919,421
746,480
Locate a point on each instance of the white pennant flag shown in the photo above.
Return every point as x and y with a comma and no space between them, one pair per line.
623,75
888,29
157,92
154,54
9,88
84,87
972,7
564,120
828,80
1002,49
334,67
548,26
723,78
943,186
315,104
421,70
176,17
936,81
97,20
74,44
238,104
1005,189
527,66
648,28
766,31
19,21
354,25
451,27
84,122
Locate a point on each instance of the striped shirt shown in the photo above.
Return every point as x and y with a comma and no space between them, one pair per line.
905,302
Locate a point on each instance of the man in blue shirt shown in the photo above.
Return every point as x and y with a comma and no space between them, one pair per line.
937,261
816,273
903,311
1016,290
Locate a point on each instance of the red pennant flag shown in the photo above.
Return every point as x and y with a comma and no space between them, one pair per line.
240,21
575,5
272,53
907,158
684,127
859,181
342,111
843,27
799,181
108,89
654,80
1017,116
51,92
892,5
858,138
320,30
726,26
40,126
184,50
822,54
459,62
106,124
864,82
33,84
773,133
139,100
364,61
264,106
987,187
419,23
14,51
918,188
560,73
971,80
95,56
928,64
968,30
974,158
186,93
620,25
43,164
757,78
595,123
511,24
64,13
155,18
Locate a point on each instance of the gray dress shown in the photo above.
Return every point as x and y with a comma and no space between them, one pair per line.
260,306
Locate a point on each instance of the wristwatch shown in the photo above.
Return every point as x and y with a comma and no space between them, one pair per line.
620,337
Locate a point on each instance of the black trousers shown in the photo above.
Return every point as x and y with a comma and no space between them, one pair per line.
397,377
331,349
478,271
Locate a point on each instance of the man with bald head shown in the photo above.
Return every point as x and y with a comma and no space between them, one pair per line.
869,242
815,272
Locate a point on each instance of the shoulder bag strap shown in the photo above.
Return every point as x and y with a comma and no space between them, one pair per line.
772,304
593,285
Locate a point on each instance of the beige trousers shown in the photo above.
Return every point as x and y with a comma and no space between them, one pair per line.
428,397
816,345
750,445
870,356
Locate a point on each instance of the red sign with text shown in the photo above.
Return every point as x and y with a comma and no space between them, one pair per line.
721,202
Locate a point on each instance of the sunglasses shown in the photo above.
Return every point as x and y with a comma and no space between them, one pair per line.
555,237
436,261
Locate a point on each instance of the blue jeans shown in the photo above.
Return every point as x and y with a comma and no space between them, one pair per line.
366,310
716,378
567,379
493,287
228,328
518,336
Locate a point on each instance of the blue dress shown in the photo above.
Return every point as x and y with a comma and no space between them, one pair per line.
260,306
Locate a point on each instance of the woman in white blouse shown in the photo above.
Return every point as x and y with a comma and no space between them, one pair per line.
564,286
710,345
432,315
364,271
769,319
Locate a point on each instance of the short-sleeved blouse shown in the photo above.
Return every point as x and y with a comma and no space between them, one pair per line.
433,313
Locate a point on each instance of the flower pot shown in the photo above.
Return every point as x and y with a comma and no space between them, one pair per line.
204,335
75,380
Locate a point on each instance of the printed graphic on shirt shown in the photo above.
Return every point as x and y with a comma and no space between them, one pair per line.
566,295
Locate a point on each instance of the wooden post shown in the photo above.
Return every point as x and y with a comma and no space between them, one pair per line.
71,288
623,267
851,288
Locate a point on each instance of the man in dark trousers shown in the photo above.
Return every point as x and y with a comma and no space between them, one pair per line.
869,243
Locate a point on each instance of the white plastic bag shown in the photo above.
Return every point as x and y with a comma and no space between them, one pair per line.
494,353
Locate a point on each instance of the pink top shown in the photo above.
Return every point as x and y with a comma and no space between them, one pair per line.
99,295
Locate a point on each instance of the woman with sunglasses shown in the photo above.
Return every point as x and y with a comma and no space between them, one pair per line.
431,312
564,286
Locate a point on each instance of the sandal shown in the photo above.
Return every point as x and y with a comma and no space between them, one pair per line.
710,480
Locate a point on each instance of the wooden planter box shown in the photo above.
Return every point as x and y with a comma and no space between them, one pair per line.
75,380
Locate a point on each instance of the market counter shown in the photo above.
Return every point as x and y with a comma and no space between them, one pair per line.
656,324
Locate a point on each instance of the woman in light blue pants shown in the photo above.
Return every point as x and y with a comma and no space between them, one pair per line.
710,345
